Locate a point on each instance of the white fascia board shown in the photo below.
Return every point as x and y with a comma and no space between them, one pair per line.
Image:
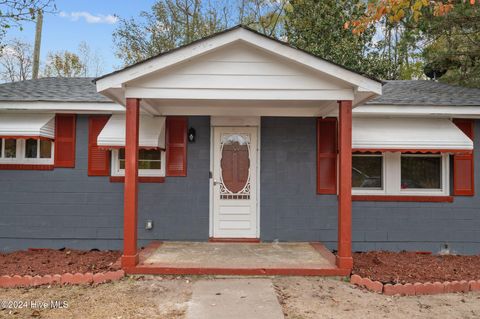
202,47
69,107
418,110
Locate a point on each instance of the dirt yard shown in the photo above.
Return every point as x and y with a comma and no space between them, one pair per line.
310,297
57,261
300,297
130,298
408,267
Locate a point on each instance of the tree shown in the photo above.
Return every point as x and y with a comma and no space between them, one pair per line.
84,62
14,12
438,38
410,11
317,27
16,61
170,24
63,64
399,47
92,61
173,23
452,46
265,16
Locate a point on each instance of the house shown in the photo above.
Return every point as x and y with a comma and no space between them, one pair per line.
240,137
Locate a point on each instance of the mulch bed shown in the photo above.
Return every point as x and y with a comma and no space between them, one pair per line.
50,261
410,267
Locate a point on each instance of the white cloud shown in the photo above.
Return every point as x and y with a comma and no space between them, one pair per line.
89,18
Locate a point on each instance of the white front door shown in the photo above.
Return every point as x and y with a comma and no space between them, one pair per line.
235,182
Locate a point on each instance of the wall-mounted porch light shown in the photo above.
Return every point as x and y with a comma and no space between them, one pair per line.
191,135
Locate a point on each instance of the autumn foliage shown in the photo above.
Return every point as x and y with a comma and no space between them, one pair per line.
398,10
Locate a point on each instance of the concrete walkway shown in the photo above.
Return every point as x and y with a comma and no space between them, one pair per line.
234,299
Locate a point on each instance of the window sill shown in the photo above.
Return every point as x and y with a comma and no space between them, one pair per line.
141,179
402,198
27,167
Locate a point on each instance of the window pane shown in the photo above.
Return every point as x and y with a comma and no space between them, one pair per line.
367,171
10,148
149,165
148,159
421,172
149,154
30,148
45,149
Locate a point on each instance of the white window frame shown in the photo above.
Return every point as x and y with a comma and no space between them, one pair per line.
444,178
117,171
368,190
392,177
20,154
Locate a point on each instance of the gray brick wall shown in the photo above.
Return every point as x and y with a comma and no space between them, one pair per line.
291,210
66,208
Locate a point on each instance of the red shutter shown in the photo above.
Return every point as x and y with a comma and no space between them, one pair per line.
327,156
98,159
65,140
463,164
176,146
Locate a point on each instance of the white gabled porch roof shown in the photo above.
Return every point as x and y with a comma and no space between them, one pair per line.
238,72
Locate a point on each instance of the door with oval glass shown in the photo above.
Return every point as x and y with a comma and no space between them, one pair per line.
235,182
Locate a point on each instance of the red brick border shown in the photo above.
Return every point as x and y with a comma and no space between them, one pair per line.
417,288
64,279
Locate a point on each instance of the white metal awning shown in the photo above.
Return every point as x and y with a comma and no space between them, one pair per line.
27,125
408,135
151,132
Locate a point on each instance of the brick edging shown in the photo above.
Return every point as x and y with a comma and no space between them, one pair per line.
64,279
417,288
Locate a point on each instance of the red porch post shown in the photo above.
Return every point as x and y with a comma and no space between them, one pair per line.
130,253
344,255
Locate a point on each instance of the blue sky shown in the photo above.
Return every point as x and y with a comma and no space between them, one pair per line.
83,20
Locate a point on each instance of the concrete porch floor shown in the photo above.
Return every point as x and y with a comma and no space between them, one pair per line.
208,258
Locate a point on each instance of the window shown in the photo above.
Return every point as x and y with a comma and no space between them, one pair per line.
421,172
150,162
367,171
26,151
393,173
10,150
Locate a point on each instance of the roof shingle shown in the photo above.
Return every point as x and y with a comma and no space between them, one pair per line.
421,92
53,89
405,92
